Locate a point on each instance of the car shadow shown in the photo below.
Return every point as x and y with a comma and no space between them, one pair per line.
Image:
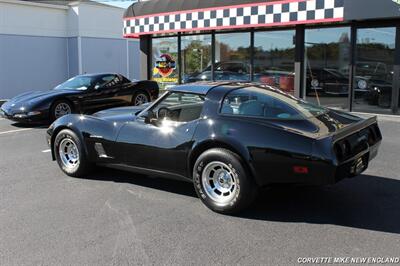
22,125
165,184
365,202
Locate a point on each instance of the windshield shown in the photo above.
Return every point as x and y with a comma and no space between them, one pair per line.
80,83
268,103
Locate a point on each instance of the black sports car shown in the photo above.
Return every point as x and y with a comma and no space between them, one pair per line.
228,138
80,94
331,82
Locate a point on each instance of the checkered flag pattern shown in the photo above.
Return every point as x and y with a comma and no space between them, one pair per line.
250,15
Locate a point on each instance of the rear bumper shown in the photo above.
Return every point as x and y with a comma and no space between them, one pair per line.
320,172
349,169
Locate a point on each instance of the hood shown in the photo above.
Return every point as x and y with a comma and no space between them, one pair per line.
29,99
320,126
120,114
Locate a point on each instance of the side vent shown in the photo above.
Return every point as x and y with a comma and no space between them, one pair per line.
100,150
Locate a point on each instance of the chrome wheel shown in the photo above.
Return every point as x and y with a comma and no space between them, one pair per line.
219,182
69,153
141,99
62,109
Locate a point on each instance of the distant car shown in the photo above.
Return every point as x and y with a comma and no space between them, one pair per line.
227,70
380,91
240,71
331,82
80,94
229,139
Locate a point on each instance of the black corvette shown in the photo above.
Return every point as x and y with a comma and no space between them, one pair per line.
80,94
228,138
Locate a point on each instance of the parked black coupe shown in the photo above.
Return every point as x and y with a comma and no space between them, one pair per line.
228,138
80,94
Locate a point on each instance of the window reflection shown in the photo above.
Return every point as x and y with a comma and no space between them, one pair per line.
196,58
232,56
327,61
374,69
274,59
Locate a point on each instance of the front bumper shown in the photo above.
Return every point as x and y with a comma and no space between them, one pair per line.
24,117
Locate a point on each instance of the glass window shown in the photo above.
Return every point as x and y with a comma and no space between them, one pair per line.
232,56
267,103
108,81
80,83
374,70
179,107
274,56
164,61
196,58
327,59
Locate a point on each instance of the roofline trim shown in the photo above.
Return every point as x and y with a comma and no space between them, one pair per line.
250,15
137,35
35,4
256,3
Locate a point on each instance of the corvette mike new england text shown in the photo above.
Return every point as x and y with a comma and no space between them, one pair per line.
348,260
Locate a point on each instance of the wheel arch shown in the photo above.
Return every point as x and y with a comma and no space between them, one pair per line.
137,91
150,87
56,131
239,150
74,107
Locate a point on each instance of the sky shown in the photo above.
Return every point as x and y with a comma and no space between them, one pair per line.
119,3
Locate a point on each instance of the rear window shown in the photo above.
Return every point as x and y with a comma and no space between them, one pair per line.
267,103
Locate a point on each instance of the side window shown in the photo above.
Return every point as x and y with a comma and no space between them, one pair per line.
109,81
256,102
179,107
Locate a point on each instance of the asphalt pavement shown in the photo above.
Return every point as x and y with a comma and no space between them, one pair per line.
118,218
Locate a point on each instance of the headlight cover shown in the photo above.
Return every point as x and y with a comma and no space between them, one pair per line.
34,113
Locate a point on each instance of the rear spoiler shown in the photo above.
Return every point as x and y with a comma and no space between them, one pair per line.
351,129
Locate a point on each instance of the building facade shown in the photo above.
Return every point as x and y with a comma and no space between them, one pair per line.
342,54
42,45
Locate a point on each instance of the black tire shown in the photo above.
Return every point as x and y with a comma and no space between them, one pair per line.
53,115
140,97
82,166
239,196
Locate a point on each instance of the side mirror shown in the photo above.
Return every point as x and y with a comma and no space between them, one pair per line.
150,118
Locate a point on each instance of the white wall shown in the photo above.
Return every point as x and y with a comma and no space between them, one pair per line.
99,22
79,19
104,55
25,18
41,45
31,63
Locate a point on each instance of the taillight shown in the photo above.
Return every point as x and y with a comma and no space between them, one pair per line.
342,149
300,169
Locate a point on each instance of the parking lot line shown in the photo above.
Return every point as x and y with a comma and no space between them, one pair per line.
14,131
46,151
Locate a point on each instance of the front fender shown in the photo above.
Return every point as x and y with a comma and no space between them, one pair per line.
89,129
70,122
